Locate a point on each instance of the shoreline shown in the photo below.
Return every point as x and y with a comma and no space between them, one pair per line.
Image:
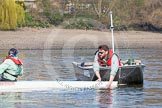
50,39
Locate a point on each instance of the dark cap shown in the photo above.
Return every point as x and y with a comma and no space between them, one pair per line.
13,52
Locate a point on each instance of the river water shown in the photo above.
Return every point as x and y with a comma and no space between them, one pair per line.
57,64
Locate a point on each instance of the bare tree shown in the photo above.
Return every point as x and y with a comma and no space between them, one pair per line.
97,4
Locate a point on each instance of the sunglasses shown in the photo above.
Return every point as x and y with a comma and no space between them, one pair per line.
100,52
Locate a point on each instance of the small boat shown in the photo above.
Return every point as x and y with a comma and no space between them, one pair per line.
129,74
126,75
28,86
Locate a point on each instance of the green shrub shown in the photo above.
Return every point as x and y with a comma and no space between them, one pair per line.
83,23
56,19
31,22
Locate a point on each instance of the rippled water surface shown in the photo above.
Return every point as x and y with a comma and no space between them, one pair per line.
56,64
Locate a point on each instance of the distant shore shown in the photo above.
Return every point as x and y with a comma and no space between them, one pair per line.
46,39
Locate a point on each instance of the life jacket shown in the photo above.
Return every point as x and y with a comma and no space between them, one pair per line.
110,57
108,61
16,61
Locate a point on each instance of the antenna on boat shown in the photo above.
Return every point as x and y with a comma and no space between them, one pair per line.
112,28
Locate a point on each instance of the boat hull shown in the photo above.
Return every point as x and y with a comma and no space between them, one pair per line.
28,86
131,74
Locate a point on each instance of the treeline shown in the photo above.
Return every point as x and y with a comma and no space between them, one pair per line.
93,14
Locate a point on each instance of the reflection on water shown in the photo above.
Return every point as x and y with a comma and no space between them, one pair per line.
106,98
56,64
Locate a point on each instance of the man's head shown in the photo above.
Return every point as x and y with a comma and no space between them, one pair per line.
13,52
103,50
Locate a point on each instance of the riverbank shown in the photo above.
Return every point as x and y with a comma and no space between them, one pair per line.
29,38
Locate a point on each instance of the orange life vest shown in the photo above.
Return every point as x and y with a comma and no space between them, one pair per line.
18,62
108,61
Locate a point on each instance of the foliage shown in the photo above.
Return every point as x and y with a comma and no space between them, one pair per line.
20,15
31,22
127,14
21,3
56,19
138,13
50,12
83,23
11,14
